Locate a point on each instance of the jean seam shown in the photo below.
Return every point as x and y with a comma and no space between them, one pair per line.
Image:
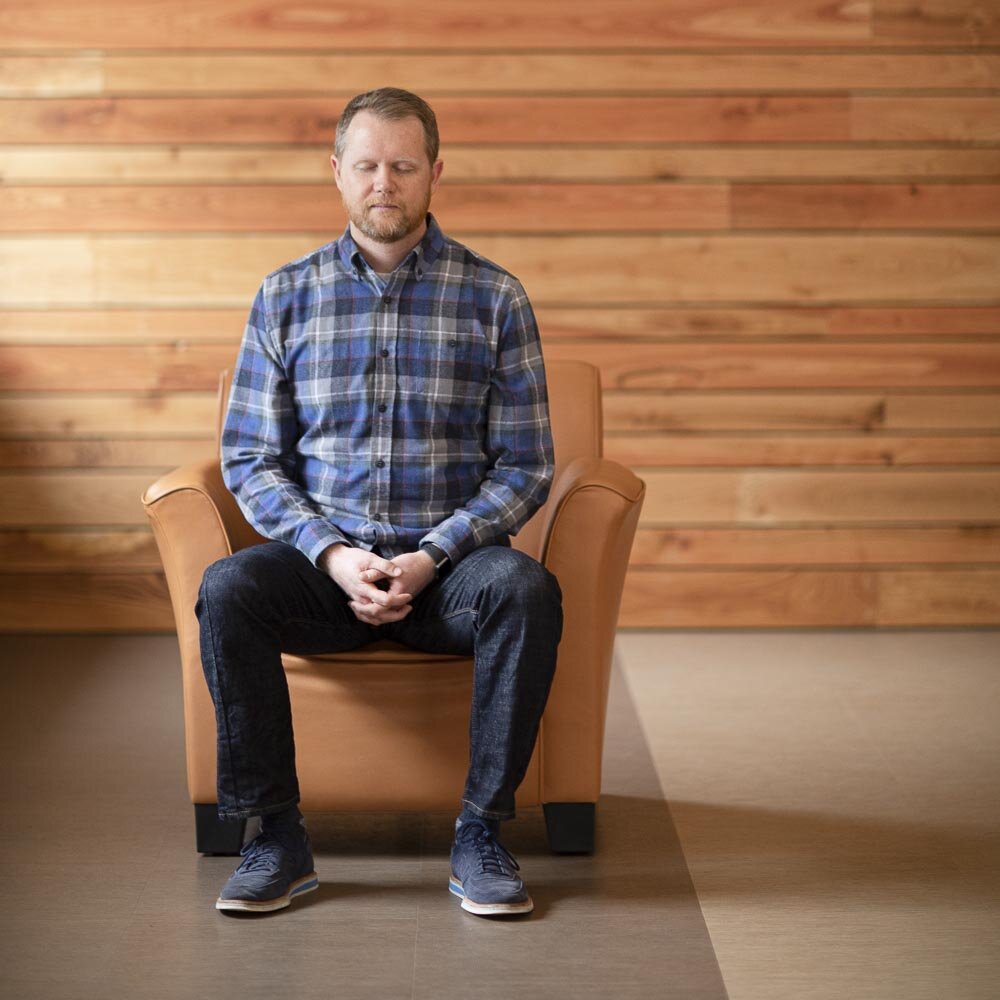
225,711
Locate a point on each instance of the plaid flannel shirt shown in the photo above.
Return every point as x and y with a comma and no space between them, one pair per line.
389,413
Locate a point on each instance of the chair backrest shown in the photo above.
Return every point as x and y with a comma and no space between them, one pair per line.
577,426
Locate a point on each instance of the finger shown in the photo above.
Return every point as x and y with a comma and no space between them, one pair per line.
386,567
382,597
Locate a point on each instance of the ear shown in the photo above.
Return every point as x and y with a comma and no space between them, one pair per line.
436,174
336,170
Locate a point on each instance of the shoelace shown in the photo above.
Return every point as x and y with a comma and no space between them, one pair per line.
264,852
494,858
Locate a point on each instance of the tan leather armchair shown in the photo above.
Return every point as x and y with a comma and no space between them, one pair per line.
386,727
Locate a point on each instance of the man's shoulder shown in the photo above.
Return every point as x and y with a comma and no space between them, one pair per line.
308,269
478,268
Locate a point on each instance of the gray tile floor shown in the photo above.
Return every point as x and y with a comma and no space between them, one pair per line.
104,895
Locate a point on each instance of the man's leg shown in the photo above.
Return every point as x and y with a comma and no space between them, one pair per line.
253,606
505,608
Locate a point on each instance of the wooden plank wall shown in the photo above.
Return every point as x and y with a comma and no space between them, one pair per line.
773,225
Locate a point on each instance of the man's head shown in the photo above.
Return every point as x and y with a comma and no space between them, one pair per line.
385,164
390,104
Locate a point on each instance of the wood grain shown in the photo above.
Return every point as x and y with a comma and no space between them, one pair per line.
309,163
531,208
800,598
72,498
826,546
702,324
181,366
208,271
449,24
477,120
805,497
785,366
84,602
794,411
693,450
197,74
69,551
162,415
104,453
865,206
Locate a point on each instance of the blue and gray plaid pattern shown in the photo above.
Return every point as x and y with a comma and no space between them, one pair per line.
387,413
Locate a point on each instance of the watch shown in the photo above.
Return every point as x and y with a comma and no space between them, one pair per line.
440,557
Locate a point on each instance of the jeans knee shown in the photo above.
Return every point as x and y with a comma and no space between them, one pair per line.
526,580
227,583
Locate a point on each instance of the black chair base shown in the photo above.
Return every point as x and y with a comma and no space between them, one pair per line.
570,827
217,836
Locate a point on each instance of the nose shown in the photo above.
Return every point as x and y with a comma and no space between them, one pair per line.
383,178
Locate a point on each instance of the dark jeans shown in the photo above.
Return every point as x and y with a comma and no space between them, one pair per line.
499,605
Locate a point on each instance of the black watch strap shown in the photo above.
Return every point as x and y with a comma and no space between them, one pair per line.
440,557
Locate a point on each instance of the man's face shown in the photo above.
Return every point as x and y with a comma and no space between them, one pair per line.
385,178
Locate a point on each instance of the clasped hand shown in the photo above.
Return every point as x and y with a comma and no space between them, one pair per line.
378,590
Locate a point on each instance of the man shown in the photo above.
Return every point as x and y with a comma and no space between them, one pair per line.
388,430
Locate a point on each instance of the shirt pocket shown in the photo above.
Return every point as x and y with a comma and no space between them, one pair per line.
443,366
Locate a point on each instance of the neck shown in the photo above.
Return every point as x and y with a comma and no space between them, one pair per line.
386,256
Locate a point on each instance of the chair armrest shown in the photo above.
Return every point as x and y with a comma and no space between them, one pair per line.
595,506
196,521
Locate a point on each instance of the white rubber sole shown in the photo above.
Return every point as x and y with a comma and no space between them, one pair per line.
298,888
487,909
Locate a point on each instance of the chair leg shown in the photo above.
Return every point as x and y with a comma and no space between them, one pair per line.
217,836
570,826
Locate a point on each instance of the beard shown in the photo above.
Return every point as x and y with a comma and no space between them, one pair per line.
391,226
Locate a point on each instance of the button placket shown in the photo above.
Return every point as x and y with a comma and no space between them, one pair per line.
386,329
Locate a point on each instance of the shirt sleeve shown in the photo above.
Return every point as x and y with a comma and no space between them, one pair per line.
518,442
258,445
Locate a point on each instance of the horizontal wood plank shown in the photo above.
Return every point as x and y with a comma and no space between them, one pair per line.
152,415
802,598
865,206
449,24
72,498
794,411
309,120
192,414
820,497
828,546
79,551
199,74
309,163
104,453
708,324
213,120
781,366
180,367
698,498
939,597
650,450
84,602
226,270
533,208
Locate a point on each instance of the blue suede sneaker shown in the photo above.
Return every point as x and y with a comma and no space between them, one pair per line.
484,873
277,865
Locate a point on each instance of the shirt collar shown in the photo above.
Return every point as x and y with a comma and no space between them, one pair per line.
423,254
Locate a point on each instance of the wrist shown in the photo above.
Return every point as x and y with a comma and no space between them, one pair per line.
439,558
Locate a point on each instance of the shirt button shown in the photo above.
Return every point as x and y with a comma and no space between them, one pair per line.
376,517
387,300
380,464
384,352
382,407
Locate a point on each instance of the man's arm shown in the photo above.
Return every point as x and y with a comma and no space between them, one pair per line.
258,442
518,442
